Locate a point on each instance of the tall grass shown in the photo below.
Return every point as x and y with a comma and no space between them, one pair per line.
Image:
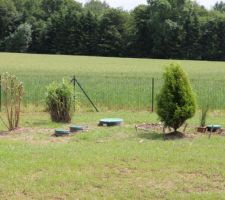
122,93
112,83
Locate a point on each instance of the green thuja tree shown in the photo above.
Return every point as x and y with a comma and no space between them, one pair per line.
176,100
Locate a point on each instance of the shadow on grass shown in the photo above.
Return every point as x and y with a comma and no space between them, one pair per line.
40,123
160,136
151,136
45,123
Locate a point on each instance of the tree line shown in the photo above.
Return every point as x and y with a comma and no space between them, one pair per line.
176,29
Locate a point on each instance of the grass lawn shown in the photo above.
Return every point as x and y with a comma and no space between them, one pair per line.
109,163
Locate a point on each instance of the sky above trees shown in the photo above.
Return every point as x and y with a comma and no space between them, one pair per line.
130,4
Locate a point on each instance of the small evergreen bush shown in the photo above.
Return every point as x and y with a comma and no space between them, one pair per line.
59,101
176,100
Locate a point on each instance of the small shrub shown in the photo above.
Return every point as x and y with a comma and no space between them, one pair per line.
204,113
176,100
59,101
12,91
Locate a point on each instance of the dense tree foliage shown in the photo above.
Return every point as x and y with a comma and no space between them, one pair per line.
179,29
96,7
220,6
19,40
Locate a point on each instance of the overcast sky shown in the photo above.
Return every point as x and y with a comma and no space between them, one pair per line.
130,4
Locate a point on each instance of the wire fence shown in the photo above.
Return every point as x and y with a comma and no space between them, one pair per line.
139,93
121,93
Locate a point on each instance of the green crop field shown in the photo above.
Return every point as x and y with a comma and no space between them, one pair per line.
112,83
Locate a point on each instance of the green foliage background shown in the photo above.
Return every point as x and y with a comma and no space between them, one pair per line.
161,29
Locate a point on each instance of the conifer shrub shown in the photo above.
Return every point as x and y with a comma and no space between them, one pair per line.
59,101
176,100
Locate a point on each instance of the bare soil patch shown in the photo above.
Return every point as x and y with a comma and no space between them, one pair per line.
175,135
149,127
168,135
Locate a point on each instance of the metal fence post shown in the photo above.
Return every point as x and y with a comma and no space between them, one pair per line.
153,95
74,93
89,99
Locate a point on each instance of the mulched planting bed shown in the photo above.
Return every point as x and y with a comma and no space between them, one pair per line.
149,127
158,127
176,135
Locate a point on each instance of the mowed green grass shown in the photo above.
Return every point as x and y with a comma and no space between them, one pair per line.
112,83
109,163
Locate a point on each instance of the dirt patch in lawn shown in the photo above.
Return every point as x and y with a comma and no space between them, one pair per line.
33,135
202,182
174,135
155,131
149,127
20,131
